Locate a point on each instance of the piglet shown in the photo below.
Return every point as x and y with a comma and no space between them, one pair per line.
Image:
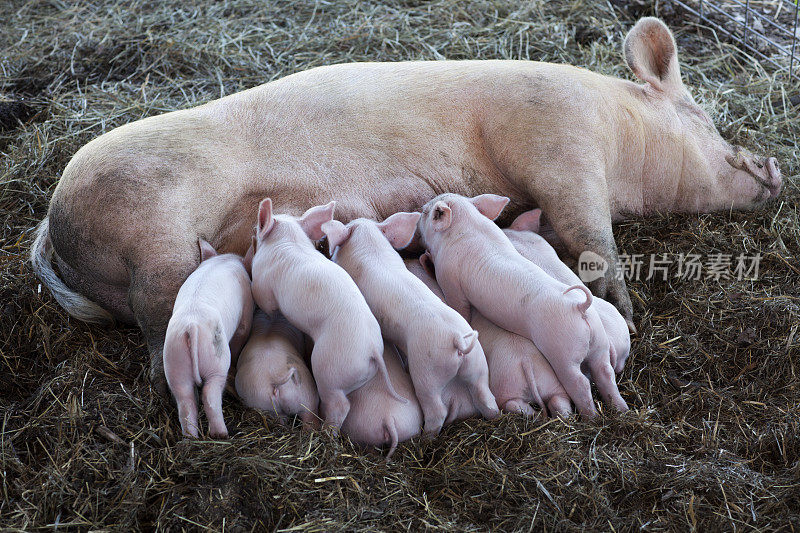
320,299
440,345
523,234
518,372
376,417
477,265
271,374
210,320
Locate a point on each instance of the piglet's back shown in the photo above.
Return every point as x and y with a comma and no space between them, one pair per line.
315,293
220,284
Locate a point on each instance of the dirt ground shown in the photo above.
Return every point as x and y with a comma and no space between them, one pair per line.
710,444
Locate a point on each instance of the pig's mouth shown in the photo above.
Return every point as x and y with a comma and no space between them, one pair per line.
764,171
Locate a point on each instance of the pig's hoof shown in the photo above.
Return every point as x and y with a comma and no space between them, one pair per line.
519,407
631,326
331,429
559,406
431,435
621,406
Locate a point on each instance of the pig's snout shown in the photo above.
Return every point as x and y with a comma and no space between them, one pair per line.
765,171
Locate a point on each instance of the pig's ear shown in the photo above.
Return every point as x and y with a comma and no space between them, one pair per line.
441,216
265,219
337,234
490,205
248,257
313,219
427,264
290,375
206,250
399,228
651,54
527,221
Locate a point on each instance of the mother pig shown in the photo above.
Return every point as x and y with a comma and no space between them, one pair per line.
380,138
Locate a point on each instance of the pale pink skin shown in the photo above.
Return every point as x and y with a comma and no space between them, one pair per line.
210,321
320,299
518,372
271,374
440,345
477,265
523,235
376,417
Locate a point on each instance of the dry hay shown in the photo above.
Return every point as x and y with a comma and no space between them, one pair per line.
84,443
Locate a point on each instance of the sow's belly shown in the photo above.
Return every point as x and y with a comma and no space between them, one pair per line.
364,181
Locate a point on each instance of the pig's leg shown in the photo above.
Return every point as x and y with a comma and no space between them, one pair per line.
575,384
180,378
430,374
214,366
475,376
213,386
604,377
434,412
592,232
332,378
335,407
559,405
183,391
187,411
581,217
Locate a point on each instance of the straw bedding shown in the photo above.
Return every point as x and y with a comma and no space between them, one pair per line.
712,441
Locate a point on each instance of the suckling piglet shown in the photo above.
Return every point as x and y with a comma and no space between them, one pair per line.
271,374
376,417
210,320
320,299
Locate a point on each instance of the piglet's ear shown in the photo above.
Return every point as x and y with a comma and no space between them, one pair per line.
206,250
441,216
399,228
527,221
337,234
490,205
427,264
313,219
265,219
290,375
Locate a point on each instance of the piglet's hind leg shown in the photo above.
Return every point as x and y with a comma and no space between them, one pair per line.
603,376
335,407
187,412
212,403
